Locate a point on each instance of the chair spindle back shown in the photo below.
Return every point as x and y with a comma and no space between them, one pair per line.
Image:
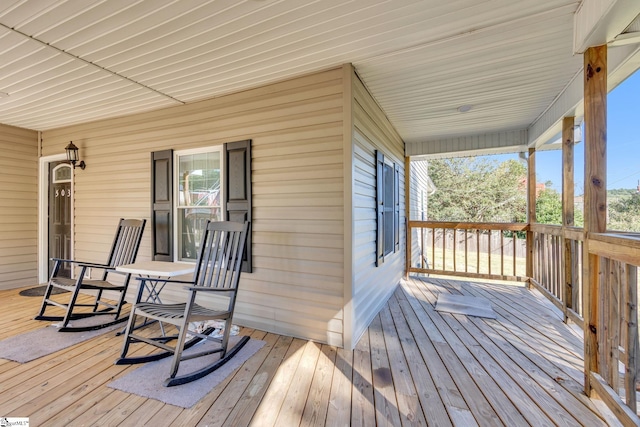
127,242
220,256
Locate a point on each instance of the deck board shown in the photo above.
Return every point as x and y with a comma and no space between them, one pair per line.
511,373
384,397
425,388
413,366
362,407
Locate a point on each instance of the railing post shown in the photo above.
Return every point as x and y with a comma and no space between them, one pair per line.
567,209
632,336
595,206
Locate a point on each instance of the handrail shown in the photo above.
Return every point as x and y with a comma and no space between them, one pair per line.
621,247
509,226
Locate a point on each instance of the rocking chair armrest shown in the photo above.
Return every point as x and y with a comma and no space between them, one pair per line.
208,289
82,263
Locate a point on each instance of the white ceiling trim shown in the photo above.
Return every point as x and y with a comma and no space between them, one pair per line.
472,145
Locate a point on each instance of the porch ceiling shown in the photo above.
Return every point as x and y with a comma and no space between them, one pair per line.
67,62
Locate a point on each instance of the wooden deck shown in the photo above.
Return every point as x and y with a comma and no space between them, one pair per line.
414,366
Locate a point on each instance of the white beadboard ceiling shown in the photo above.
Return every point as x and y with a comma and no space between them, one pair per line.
65,62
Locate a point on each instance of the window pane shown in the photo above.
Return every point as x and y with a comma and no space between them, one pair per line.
199,199
191,223
388,209
199,180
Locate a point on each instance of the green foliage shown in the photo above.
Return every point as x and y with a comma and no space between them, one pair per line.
549,207
475,189
478,190
621,192
624,213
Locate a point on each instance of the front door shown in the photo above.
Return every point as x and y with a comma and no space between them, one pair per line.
60,174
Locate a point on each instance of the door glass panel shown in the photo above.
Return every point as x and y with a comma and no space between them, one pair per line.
62,173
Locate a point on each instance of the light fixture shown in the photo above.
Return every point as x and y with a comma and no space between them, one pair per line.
465,108
72,155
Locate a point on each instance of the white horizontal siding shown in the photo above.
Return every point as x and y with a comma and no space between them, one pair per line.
418,209
372,285
18,207
297,175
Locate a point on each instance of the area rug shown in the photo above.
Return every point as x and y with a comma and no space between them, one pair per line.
146,381
41,342
38,291
462,304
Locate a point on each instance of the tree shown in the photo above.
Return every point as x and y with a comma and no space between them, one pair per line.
624,214
549,207
478,190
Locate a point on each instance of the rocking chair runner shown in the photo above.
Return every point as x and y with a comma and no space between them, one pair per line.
217,272
124,250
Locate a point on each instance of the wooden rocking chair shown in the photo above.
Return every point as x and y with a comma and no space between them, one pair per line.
217,272
124,250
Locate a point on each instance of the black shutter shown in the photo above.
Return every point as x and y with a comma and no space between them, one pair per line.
162,205
237,166
396,206
379,207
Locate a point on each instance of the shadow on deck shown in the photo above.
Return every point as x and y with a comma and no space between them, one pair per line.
413,366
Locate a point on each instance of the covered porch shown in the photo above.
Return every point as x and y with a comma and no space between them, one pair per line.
413,366
320,91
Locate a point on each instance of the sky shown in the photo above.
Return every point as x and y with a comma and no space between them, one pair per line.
623,143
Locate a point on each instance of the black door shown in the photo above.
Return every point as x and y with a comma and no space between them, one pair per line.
60,174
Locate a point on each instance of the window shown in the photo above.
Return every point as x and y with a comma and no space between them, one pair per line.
190,186
198,197
388,208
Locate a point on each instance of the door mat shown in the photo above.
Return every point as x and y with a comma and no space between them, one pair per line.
41,342
146,381
462,304
38,291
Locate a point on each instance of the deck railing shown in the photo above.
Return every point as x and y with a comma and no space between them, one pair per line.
613,313
557,267
469,249
499,251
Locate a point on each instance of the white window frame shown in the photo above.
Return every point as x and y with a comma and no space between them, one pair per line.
176,192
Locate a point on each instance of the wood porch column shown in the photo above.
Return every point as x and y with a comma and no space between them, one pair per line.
531,210
567,207
595,195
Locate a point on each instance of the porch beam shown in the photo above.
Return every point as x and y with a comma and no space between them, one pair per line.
470,145
595,206
598,22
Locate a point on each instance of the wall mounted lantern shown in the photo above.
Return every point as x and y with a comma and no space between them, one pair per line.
72,156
